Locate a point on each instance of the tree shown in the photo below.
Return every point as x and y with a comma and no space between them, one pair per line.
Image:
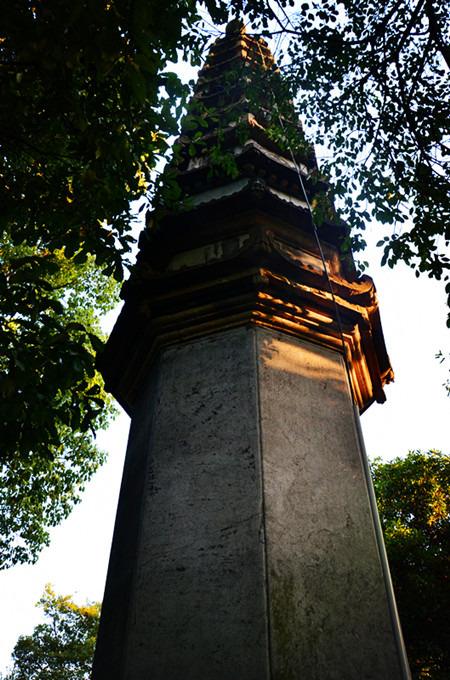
52,397
413,496
373,83
85,110
63,647
88,106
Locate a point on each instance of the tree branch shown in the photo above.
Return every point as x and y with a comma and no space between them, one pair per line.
435,31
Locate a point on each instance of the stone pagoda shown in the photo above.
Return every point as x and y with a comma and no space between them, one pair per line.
247,545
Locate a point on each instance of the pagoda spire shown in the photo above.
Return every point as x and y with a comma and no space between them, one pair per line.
240,111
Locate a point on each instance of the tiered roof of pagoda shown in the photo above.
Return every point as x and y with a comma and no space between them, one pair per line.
240,247
231,136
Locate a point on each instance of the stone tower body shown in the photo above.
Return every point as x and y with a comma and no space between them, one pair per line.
247,545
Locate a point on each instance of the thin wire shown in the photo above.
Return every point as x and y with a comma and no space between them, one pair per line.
395,621
316,234
277,46
317,238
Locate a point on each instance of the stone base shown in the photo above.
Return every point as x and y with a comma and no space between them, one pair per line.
245,546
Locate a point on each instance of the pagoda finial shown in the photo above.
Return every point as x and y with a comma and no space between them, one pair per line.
235,27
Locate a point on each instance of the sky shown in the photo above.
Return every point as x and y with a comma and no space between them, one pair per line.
415,415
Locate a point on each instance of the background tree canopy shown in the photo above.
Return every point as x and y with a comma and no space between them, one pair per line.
52,397
413,496
373,83
63,647
88,105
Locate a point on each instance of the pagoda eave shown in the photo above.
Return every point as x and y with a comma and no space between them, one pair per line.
193,303
232,204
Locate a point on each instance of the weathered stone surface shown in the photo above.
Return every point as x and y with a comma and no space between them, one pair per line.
329,612
198,601
245,545
109,661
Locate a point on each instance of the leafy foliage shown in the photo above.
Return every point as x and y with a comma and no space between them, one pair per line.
92,108
83,116
373,83
442,358
88,104
413,496
52,397
63,647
